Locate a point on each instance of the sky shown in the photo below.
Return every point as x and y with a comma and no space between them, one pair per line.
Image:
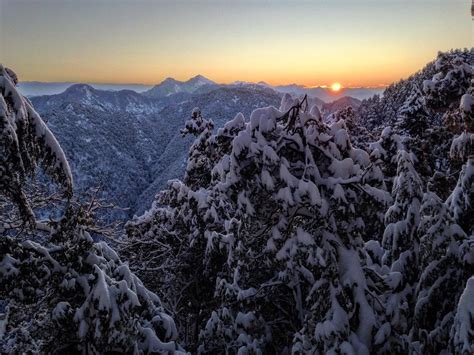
314,43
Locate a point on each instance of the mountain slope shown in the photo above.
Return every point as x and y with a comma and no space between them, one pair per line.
339,104
107,149
128,143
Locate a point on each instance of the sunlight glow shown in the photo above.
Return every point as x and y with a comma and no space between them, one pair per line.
336,87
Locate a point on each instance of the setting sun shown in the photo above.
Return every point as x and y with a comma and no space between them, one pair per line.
336,87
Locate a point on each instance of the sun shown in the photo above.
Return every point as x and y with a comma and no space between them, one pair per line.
336,87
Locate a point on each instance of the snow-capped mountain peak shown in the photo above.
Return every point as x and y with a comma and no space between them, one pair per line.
172,86
169,80
80,89
199,80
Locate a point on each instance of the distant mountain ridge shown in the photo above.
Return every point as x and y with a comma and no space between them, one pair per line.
38,88
326,94
200,84
102,100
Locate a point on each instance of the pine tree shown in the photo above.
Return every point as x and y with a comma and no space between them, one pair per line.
446,262
462,146
401,242
402,217
453,78
200,158
461,201
462,330
413,118
385,151
369,110
437,229
25,141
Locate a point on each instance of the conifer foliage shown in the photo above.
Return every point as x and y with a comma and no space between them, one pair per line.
25,141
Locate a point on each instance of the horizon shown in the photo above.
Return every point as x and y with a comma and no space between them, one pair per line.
363,44
215,81
335,92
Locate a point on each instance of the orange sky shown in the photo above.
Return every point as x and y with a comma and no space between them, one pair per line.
356,43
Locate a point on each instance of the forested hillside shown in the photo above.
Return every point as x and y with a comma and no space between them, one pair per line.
129,144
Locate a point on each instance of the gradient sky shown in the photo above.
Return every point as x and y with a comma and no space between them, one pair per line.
356,43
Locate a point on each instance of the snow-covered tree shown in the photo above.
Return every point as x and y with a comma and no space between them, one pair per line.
360,136
466,106
413,118
437,229
200,158
446,260
453,76
462,146
370,111
25,141
385,151
402,217
401,257
461,201
462,334
167,245
74,295
306,198
64,292
284,200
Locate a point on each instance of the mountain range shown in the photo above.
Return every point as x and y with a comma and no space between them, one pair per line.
37,88
199,84
129,143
